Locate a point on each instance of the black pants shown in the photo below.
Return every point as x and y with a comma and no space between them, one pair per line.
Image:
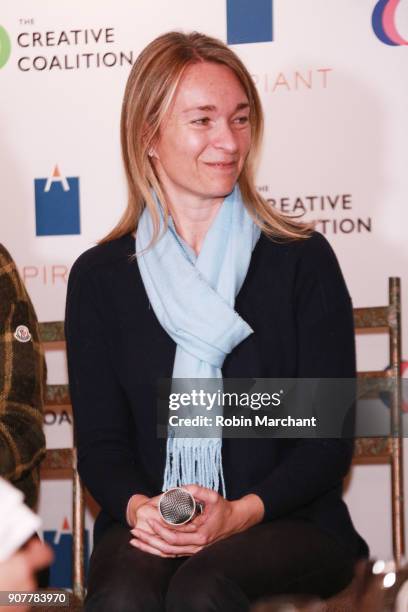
285,556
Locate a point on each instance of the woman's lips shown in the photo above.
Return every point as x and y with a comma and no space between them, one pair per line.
221,165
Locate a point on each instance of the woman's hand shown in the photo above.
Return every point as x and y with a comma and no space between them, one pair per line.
142,512
220,519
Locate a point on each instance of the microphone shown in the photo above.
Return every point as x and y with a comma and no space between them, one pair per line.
177,506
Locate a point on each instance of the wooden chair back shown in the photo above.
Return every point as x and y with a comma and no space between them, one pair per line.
389,450
65,460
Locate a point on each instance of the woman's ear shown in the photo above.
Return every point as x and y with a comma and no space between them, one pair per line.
151,151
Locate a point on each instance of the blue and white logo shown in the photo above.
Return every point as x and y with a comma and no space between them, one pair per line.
61,543
57,205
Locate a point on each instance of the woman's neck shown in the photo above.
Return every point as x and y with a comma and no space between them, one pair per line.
193,219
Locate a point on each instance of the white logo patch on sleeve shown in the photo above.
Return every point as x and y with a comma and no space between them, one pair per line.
22,334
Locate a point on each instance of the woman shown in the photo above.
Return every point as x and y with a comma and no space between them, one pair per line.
221,286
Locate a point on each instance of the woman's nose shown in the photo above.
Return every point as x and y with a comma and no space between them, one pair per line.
225,138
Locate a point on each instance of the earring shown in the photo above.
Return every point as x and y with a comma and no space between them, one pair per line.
150,152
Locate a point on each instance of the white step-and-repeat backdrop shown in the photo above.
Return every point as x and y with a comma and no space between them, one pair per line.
333,81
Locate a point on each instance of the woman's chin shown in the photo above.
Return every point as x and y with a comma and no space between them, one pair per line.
221,187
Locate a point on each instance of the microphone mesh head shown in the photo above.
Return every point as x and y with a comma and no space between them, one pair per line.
176,506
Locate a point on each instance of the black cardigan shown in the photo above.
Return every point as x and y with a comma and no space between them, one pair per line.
295,299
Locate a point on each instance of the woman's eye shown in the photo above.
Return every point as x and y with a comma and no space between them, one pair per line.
241,120
201,121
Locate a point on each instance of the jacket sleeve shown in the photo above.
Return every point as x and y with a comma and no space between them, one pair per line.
102,416
22,384
326,349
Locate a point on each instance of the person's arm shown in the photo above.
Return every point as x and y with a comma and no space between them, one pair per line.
326,349
22,384
102,417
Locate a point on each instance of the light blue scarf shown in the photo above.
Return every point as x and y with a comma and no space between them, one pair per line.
193,298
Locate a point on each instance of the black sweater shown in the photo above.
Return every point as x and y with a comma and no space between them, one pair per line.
295,299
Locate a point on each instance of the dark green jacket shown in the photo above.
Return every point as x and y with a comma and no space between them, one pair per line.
22,384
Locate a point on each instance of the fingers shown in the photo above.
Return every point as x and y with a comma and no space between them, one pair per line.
142,545
37,555
199,520
189,527
144,526
175,538
150,549
157,543
202,494
145,513
155,500
149,512
162,551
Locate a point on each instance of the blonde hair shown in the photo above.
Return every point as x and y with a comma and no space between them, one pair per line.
149,92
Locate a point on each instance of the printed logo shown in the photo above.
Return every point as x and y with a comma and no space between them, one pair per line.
57,205
22,334
5,47
61,543
383,22
68,46
249,21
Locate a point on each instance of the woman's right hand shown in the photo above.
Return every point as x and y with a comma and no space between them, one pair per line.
142,508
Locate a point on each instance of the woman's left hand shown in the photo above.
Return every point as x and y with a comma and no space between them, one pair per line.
220,519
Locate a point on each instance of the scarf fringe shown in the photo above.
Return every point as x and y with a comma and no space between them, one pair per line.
194,461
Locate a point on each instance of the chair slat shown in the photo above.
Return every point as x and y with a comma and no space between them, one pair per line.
59,459
365,448
52,331
372,317
374,374
57,395
372,383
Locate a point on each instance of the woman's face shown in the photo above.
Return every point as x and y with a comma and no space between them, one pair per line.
205,136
